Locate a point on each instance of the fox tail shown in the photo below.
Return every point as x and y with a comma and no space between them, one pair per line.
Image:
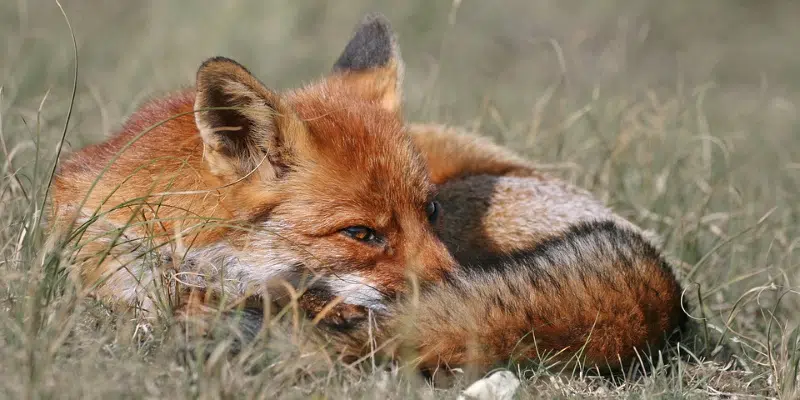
599,295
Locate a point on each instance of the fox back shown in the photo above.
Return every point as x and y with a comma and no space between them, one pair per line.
496,202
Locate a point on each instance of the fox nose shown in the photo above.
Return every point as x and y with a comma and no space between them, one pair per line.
432,260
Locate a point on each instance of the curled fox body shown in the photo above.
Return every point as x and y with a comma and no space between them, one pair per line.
233,187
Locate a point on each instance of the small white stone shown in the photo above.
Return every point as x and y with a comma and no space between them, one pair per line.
500,385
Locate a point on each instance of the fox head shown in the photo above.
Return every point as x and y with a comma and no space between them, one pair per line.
324,176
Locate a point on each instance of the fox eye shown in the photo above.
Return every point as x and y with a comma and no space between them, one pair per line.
433,210
362,234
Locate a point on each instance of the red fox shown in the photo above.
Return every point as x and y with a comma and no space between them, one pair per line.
235,187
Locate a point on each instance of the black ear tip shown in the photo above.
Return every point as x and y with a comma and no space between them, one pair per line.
376,27
373,45
377,21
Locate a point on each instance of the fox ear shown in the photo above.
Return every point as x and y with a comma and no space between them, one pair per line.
244,125
371,64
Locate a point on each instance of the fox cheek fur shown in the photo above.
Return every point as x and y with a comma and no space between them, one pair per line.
238,186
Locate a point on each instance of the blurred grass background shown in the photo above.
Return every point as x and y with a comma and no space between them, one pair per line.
682,115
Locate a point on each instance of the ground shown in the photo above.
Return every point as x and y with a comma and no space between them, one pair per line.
683,116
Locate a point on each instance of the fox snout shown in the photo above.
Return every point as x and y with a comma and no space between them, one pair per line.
429,260
425,261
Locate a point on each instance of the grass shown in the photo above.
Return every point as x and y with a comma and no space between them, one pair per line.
683,117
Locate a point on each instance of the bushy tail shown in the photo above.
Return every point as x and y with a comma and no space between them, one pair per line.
600,295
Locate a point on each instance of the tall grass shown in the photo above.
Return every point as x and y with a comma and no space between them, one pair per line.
681,116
